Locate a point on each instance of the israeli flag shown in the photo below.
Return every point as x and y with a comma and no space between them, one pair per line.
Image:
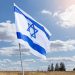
31,34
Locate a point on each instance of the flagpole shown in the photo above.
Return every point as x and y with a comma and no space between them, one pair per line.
21,59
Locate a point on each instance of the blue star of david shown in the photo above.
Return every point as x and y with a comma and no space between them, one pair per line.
34,30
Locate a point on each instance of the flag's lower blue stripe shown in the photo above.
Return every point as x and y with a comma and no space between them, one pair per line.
35,23
31,43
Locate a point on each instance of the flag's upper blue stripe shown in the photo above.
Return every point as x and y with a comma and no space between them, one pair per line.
35,23
31,43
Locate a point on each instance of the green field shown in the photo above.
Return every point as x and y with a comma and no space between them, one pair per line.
36,73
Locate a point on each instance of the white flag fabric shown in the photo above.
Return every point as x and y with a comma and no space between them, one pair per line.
31,34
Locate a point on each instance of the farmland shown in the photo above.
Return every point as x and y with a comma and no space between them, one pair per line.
37,73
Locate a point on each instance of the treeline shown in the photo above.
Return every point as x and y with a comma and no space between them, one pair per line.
57,67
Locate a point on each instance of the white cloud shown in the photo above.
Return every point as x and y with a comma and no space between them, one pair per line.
67,17
10,51
46,12
7,31
12,65
6,52
55,14
8,64
59,45
62,59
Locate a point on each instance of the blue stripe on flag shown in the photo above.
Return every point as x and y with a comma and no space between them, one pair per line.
35,23
31,43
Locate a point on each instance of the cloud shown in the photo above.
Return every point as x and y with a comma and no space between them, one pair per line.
62,59
70,66
12,65
7,31
7,43
27,63
7,52
67,17
59,45
10,51
46,12
55,14
7,38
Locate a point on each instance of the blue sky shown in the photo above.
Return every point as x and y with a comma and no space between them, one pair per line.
56,15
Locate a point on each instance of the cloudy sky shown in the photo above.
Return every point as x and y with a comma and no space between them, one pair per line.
58,16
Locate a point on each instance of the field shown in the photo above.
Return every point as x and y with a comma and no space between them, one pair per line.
36,73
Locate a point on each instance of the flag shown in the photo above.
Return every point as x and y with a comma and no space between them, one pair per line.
31,33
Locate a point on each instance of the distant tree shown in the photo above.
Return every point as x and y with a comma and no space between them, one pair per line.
52,67
49,68
74,69
62,67
56,67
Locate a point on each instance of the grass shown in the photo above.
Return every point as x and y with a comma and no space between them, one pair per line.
36,73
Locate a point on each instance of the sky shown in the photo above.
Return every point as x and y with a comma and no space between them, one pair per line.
58,16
